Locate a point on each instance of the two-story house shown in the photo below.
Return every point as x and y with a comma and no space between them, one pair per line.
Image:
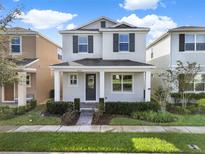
34,54
186,44
103,59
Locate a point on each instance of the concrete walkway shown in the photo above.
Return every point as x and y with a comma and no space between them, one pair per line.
86,117
104,128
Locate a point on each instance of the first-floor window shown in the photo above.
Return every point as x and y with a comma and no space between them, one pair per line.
122,83
73,79
28,80
198,85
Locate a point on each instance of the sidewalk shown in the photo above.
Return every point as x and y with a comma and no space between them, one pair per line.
104,128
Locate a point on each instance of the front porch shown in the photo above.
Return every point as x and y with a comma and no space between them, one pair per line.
20,92
113,86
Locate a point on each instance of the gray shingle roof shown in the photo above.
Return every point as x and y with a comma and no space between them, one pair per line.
101,62
25,61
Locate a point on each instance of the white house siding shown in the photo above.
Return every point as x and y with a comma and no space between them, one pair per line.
68,54
136,96
97,25
72,92
140,47
161,59
195,56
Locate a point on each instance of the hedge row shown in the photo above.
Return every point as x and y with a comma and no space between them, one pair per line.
127,108
195,96
59,107
7,112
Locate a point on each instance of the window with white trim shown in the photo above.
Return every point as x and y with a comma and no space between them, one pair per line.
28,80
123,42
189,42
73,79
122,83
82,44
16,44
198,85
200,42
194,42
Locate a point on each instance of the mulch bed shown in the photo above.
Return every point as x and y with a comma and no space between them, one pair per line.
103,119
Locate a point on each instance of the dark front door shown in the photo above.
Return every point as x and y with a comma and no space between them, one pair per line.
90,87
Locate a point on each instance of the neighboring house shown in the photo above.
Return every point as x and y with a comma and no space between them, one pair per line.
104,59
34,54
186,44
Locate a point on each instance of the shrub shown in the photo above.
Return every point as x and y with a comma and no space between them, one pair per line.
58,107
69,118
31,104
77,104
125,108
20,110
101,106
201,102
178,109
156,117
6,112
195,96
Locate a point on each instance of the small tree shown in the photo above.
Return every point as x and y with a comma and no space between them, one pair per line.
7,65
162,93
182,76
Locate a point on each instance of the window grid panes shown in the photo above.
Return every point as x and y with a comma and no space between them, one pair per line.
122,83
198,85
124,42
73,79
194,42
83,44
15,44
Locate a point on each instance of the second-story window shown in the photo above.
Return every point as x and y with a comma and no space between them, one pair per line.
194,42
200,42
123,42
82,44
189,42
16,45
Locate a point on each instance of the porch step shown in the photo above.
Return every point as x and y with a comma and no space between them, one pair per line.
84,106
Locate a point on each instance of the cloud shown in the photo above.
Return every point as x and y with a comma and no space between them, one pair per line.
139,4
44,19
70,26
157,24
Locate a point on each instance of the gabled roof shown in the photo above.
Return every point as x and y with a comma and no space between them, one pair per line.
26,61
123,25
95,20
177,29
100,62
188,28
24,31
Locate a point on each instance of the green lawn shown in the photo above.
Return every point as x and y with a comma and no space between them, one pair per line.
102,142
184,120
33,117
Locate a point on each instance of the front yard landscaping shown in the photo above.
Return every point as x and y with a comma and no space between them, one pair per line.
33,117
101,142
183,120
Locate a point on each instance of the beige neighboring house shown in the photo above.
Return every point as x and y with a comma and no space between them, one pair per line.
35,53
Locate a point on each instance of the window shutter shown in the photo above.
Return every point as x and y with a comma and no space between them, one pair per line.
115,42
90,44
75,44
132,42
181,42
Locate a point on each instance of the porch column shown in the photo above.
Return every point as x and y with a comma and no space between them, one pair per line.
102,84
57,85
22,93
147,86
